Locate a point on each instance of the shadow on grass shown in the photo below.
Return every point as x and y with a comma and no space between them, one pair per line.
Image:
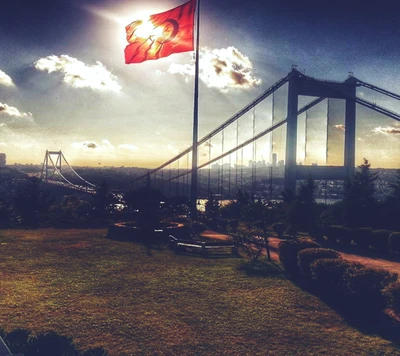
262,268
357,313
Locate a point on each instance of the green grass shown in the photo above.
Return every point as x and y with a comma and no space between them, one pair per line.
117,295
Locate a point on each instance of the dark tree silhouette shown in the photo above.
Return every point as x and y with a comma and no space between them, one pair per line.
360,205
30,202
102,200
390,207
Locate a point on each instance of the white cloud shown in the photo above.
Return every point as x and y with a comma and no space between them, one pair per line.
12,117
340,127
224,69
5,79
78,74
171,148
128,147
387,130
92,146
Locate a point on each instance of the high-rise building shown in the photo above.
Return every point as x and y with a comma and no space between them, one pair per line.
2,159
274,159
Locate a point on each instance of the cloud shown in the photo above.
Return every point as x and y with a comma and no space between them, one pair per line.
5,79
92,146
171,148
11,116
387,130
128,147
78,74
224,69
340,127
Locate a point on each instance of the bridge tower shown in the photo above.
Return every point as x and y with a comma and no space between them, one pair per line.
300,84
55,165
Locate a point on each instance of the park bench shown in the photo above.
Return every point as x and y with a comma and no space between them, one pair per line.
204,248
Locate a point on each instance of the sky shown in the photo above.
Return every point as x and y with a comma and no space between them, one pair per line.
64,84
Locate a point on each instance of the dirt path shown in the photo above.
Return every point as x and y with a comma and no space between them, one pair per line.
369,259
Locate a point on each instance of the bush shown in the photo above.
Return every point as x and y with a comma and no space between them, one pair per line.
362,236
45,344
392,293
279,228
288,251
394,242
364,288
380,239
307,256
317,232
328,275
339,233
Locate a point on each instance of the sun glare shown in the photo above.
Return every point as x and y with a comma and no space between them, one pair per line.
147,30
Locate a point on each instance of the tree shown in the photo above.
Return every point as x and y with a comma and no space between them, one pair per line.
102,200
30,202
212,206
301,207
390,207
360,205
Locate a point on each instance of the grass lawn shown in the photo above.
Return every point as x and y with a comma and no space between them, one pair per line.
131,302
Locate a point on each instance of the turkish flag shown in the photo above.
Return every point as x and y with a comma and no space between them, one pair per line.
163,34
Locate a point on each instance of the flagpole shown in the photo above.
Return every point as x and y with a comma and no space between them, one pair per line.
193,191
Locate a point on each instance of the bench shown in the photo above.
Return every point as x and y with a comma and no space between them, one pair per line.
204,248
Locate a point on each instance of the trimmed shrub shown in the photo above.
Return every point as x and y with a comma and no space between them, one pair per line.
288,251
45,344
279,228
307,256
392,293
328,275
317,232
339,233
380,239
364,288
362,236
394,242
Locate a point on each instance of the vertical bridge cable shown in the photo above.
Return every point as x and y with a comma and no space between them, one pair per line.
305,138
237,156
222,164
327,130
254,158
177,182
209,168
187,177
271,146
169,181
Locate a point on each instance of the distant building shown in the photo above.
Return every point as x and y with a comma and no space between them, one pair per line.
274,159
2,159
281,163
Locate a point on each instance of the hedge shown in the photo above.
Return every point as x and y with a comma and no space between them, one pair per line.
380,239
392,293
339,233
362,236
288,251
44,344
328,274
307,256
394,242
364,288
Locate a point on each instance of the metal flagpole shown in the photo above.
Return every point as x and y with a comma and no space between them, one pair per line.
193,192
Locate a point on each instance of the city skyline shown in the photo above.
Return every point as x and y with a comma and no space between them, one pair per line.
64,84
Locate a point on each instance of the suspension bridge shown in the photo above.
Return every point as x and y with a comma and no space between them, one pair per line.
224,173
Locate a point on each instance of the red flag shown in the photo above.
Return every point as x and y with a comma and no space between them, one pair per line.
163,34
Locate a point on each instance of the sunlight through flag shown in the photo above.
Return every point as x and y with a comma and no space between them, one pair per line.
161,35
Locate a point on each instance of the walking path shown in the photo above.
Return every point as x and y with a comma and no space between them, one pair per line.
368,258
